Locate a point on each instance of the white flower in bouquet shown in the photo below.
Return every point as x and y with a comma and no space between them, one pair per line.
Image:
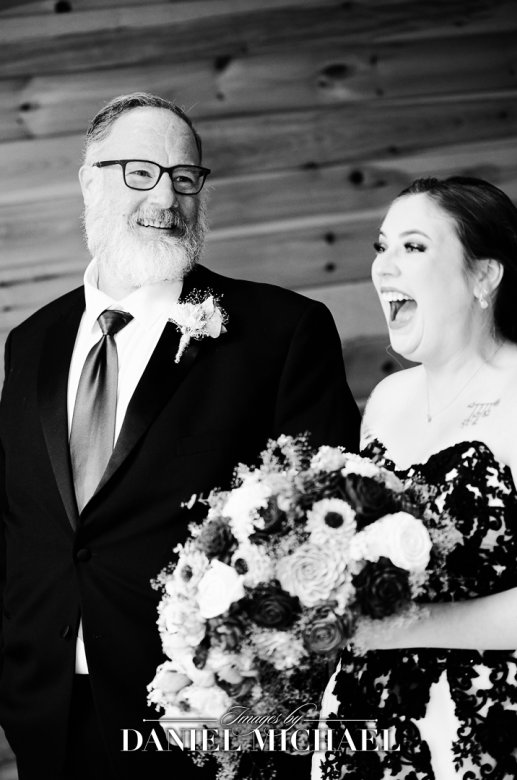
400,537
285,501
230,672
221,660
328,459
192,564
167,684
409,542
331,521
280,648
363,467
169,680
242,505
281,487
175,645
392,481
344,595
218,658
209,702
356,464
182,619
218,589
260,567
202,677
312,573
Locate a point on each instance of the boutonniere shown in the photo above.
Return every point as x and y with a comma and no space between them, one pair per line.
197,319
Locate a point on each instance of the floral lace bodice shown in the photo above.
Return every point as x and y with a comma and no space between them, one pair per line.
467,484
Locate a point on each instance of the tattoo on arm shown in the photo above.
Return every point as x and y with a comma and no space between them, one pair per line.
477,411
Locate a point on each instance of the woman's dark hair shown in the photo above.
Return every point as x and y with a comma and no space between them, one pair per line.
486,224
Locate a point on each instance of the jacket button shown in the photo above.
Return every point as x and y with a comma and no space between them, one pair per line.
83,555
66,632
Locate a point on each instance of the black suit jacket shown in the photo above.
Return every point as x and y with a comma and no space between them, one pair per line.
278,369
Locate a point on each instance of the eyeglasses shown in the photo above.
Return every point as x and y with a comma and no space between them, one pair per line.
145,175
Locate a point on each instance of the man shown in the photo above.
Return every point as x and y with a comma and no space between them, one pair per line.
104,436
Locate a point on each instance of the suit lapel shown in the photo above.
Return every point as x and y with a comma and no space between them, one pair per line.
158,383
52,391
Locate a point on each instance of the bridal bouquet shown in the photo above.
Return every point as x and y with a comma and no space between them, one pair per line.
276,579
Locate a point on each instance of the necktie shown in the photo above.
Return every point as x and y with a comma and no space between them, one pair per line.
93,423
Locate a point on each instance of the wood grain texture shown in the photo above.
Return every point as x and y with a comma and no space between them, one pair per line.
317,75
16,7
347,133
112,36
355,308
13,8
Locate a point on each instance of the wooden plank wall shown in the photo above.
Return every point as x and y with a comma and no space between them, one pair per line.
314,114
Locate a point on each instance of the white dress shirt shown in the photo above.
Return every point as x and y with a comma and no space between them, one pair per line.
150,307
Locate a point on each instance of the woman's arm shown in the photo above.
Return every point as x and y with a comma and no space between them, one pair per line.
368,419
487,623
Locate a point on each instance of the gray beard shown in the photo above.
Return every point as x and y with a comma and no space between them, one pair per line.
134,262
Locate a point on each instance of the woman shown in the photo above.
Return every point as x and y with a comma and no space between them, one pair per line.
446,274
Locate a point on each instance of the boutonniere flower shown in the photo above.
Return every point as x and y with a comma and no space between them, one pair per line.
197,319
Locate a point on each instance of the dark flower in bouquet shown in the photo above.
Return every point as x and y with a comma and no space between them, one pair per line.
216,539
370,498
381,589
271,607
326,631
274,522
229,629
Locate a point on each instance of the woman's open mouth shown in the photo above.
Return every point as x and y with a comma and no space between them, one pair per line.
402,307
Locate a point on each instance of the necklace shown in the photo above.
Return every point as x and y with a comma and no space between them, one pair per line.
430,417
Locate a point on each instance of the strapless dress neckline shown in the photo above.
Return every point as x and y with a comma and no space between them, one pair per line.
457,447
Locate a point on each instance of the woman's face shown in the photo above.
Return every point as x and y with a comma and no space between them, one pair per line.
420,275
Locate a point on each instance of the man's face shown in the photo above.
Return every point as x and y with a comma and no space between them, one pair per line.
142,237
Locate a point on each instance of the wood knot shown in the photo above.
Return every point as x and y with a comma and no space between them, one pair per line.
334,74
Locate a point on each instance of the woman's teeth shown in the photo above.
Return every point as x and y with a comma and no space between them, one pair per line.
398,301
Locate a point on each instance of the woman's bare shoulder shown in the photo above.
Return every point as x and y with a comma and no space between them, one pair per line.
387,400
395,388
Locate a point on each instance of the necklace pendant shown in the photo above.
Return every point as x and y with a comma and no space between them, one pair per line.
429,418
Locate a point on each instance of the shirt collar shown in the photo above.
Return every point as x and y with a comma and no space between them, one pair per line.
147,304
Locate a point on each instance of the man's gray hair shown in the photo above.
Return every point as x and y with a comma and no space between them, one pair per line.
102,122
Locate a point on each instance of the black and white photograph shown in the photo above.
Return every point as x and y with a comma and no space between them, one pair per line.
258,417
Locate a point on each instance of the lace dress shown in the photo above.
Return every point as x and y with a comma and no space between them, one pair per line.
454,711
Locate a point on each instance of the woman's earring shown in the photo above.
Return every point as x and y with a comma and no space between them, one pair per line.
482,300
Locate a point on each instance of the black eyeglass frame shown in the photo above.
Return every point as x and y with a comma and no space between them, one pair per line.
204,172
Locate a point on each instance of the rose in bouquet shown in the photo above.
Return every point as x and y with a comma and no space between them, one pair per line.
275,580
